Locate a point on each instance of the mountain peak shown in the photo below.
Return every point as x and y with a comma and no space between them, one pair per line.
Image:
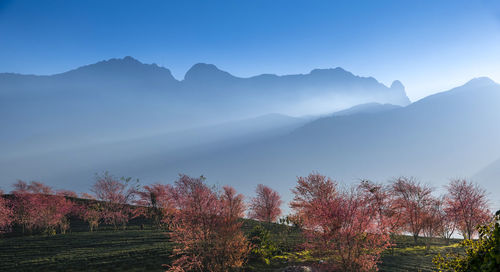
397,85
126,67
205,71
480,82
129,58
128,61
330,71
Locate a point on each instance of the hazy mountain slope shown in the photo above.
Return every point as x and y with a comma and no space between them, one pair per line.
77,165
451,134
489,177
124,98
490,174
94,102
366,109
442,136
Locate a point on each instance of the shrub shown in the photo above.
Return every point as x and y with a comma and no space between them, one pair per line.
264,247
480,255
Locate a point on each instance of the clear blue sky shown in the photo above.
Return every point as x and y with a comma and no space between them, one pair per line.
428,45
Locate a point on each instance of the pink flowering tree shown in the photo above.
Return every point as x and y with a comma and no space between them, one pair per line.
412,199
6,214
265,206
116,195
342,227
156,202
205,229
467,204
36,208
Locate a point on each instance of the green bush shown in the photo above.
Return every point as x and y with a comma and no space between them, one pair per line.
264,247
480,255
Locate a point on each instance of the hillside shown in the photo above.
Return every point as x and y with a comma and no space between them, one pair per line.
434,139
489,177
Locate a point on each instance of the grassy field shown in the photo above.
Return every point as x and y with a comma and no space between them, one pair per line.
405,256
146,250
126,250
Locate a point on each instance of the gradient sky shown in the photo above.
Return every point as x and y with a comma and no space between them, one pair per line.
429,45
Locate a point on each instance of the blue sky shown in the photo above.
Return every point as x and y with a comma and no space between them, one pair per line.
429,45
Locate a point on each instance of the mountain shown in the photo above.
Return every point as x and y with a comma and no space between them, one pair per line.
443,136
490,174
446,135
120,99
489,177
319,92
366,109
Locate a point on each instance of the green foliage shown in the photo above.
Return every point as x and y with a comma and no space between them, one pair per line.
264,247
480,255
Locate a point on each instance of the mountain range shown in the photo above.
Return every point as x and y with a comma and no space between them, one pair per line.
448,135
124,98
136,119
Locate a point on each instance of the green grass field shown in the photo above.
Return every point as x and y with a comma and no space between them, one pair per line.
146,250
126,250
405,256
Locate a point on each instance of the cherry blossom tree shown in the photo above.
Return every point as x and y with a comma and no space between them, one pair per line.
232,203
342,227
36,208
92,213
20,187
383,200
432,220
36,187
156,202
6,214
67,193
205,230
24,206
468,205
412,199
52,212
116,195
265,206
448,222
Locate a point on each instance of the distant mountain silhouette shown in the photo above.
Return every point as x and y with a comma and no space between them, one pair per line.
446,135
366,109
135,119
124,98
202,72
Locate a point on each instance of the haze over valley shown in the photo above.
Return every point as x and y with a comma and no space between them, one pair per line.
137,120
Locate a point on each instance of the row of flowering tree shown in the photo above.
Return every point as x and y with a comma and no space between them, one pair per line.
346,227
36,208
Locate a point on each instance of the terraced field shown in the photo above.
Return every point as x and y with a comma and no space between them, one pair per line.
128,250
147,250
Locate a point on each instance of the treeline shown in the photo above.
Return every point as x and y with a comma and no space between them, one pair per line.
347,228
